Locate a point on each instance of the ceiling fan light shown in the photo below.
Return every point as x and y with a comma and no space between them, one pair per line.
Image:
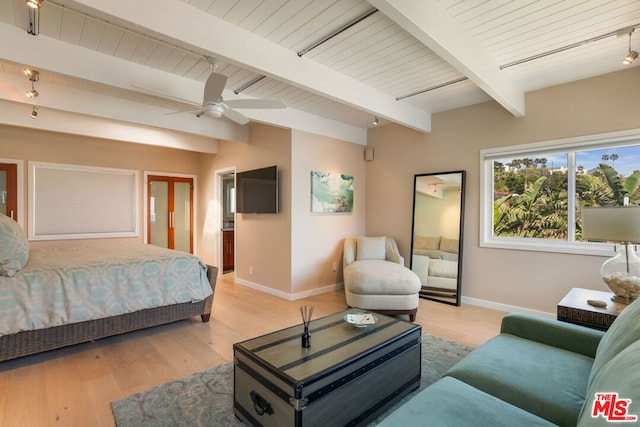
214,110
632,56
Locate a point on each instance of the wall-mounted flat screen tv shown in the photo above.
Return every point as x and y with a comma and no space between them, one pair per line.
257,190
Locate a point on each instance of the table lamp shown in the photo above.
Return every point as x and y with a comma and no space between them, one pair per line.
617,224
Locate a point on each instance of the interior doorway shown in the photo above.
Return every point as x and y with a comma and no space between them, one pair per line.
170,212
227,215
9,190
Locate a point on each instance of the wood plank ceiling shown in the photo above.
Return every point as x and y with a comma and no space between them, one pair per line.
400,60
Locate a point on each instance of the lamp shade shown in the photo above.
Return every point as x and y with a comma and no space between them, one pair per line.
611,224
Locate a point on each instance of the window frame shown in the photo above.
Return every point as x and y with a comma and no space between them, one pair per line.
565,145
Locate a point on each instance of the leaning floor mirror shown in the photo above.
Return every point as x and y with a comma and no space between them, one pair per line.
436,236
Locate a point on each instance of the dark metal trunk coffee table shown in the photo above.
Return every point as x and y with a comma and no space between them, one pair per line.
348,376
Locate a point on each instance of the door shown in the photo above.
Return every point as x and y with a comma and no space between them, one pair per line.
170,212
9,190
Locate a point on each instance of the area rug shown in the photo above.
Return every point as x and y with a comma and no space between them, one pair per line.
206,398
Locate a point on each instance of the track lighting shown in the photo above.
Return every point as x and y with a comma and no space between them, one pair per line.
632,55
34,76
34,4
375,120
33,92
34,16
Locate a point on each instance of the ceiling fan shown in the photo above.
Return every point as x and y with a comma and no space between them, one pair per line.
212,103
214,106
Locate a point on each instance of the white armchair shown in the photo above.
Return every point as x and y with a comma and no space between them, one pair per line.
376,279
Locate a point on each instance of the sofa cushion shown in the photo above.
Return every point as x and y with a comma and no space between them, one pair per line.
424,242
449,245
624,331
544,380
452,403
442,268
619,375
420,266
567,336
375,277
371,248
14,247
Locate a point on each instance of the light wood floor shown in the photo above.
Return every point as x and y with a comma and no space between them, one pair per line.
74,386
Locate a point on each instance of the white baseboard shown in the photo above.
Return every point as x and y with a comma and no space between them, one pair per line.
329,288
505,307
288,296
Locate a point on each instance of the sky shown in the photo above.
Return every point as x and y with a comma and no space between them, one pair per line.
628,159
627,162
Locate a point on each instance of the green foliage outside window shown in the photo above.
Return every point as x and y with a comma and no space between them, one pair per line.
530,199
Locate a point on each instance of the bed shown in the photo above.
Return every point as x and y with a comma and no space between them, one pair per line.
52,298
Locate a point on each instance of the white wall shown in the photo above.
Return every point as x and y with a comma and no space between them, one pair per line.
317,238
438,217
263,249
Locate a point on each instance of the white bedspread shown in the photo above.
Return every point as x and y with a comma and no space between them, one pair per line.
68,285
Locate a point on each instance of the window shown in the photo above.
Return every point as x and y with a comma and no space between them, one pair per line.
532,195
81,202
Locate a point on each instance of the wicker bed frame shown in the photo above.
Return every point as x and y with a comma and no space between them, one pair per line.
31,342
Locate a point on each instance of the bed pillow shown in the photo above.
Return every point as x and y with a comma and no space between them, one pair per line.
14,247
371,248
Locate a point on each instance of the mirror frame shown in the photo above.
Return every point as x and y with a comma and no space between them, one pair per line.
434,295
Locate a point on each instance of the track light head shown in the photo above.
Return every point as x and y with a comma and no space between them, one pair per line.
34,113
32,93
632,56
34,4
375,120
33,75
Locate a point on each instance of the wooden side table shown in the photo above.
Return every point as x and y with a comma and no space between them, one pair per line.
574,309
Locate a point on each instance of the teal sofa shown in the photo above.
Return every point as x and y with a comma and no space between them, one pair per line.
538,372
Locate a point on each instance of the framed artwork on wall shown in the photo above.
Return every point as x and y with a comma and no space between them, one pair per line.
331,192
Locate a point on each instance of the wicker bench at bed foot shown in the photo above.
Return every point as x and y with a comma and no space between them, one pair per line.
31,342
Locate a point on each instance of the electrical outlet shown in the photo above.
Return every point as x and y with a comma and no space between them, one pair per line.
334,266
251,270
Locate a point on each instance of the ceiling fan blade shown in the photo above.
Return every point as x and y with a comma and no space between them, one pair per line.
255,103
214,86
235,116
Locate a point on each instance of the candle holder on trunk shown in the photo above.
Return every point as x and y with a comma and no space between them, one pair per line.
306,313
